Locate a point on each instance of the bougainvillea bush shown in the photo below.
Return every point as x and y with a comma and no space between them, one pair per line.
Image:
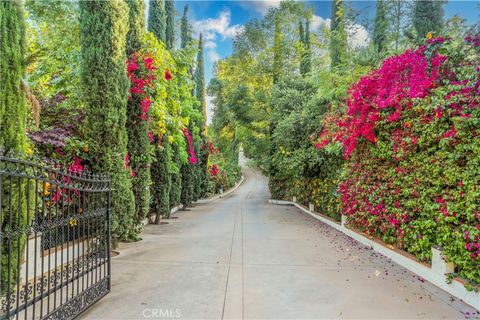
410,136
222,173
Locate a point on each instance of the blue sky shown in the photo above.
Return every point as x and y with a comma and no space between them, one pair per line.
219,21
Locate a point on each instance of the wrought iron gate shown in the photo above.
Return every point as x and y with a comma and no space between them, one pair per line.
54,240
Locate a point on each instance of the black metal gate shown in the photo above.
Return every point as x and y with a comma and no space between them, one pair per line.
54,240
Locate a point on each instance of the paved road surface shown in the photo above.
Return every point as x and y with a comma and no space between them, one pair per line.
240,257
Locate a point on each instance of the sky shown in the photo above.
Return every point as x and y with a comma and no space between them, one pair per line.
219,21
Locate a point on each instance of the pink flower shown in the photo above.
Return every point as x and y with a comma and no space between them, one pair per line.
168,75
192,159
131,66
150,136
149,63
76,166
450,133
127,159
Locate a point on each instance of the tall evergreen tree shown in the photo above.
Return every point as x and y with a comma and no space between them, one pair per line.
157,19
381,27
277,49
13,107
186,35
138,142
398,10
338,34
170,24
200,81
13,111
308,46
176,179
160,176
306,58
103,30
427,17
201,168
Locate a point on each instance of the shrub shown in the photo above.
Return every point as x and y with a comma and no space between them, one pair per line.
410,134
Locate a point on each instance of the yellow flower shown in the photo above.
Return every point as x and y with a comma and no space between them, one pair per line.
29,151
46,189
170,139
429,35
73,222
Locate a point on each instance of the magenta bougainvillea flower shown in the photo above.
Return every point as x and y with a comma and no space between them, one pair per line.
192,158
214,169
168,75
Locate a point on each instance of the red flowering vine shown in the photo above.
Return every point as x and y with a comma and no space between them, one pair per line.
384,94
214,169
168,75
193,158
141,72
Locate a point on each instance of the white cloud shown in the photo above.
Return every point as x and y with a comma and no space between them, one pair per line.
357,34
318,23
210,45
213,55
261,6
211,27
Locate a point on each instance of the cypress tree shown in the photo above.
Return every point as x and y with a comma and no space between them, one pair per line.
160,176
186,196
277,49
200,81
157,19
138,142
201,168
170,24
308,46
103,30
186,35
161,182
176,179
338,35
13,111
381,27
306,57
13,107
427,17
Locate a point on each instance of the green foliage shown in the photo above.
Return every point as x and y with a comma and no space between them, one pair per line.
137,25
380,27
161,178
187,173
53,51
186,30
170,24
427,17
12,134
277,50
12,69
103,30
416,186
157,19
176,179
301,170
338,35
138,146
200,81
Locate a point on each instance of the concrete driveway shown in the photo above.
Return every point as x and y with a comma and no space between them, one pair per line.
241,257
